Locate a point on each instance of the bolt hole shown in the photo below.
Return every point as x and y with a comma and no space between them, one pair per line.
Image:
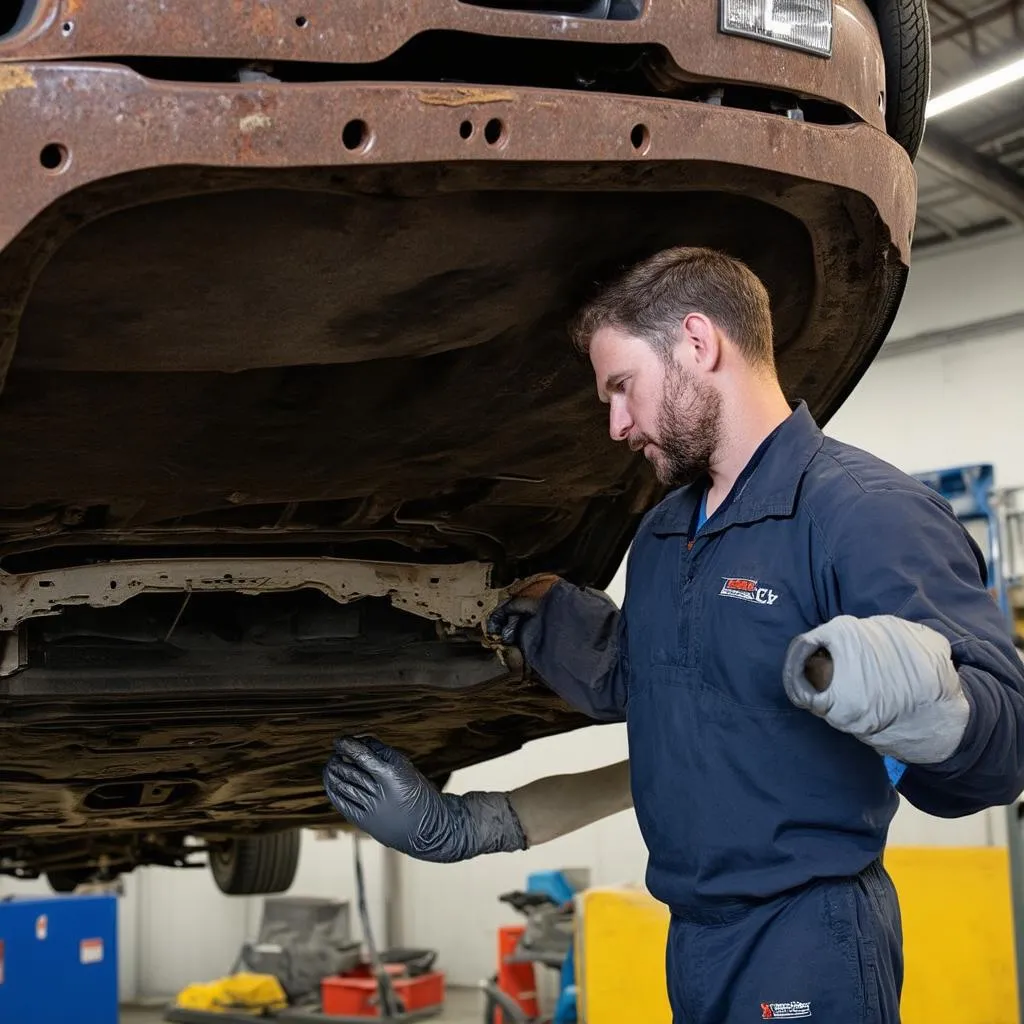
494,131
301,21
466,129
355,134
640,137
67,28
53,156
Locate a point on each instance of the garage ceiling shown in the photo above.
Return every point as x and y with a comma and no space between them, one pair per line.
971,166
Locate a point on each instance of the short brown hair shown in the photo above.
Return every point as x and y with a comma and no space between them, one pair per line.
651,299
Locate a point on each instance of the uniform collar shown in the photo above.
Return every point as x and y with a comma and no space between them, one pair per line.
767,486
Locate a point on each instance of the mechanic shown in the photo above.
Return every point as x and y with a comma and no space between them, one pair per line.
764,801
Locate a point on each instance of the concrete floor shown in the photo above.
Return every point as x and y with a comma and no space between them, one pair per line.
463,1006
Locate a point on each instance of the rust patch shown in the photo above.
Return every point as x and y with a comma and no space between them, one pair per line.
251,122
13,76
464,97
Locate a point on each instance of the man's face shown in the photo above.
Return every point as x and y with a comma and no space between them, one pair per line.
660,406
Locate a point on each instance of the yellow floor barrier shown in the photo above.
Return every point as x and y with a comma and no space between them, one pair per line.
958,934
958,938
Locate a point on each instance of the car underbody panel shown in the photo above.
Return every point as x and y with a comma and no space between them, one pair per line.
124,732
286,400
192,354
455,595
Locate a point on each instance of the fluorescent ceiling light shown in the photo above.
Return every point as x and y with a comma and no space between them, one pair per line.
978,87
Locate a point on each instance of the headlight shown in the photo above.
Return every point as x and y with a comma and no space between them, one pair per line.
800,24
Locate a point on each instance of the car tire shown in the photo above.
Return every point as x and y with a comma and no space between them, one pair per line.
906,47
256,865
65,882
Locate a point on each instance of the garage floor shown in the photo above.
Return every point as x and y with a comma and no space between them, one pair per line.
464,1006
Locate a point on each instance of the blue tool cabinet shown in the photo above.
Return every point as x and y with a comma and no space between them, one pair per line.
58,960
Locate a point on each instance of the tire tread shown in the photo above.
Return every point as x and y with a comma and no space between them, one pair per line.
263,864
903,26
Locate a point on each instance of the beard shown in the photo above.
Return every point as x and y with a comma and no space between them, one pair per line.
689,428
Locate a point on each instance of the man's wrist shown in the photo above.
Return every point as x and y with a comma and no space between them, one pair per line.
493,825
930,735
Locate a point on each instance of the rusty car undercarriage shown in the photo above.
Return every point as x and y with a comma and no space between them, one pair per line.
285,395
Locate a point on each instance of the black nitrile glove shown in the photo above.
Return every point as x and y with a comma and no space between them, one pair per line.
380,791
511,619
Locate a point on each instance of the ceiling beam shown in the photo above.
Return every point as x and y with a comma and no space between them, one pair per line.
962,26
971,23
993,59
957,335
933,218
979,174
990,130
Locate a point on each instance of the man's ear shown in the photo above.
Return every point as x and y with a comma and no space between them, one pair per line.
698,333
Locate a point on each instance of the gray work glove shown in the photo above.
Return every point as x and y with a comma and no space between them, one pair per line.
516,616
380,791
893,687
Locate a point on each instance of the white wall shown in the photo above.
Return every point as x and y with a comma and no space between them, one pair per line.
921,411
944,407
976,282
953,404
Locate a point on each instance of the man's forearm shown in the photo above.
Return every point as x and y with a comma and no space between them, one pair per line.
560,804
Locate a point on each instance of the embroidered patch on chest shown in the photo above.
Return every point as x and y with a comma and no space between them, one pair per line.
747,590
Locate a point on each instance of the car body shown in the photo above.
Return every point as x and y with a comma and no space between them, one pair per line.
286,400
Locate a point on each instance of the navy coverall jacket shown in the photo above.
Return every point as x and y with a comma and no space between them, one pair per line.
741,796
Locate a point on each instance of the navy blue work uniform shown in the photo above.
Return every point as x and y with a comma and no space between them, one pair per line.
765,826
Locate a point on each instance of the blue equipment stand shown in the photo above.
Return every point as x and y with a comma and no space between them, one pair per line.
58,960
559,888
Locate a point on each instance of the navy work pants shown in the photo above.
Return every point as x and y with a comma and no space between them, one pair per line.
832,950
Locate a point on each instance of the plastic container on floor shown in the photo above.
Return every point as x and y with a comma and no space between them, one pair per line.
355,994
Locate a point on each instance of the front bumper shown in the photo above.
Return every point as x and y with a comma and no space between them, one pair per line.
361,32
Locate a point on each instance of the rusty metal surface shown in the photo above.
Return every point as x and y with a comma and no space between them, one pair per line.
78,125
371,30
95,121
